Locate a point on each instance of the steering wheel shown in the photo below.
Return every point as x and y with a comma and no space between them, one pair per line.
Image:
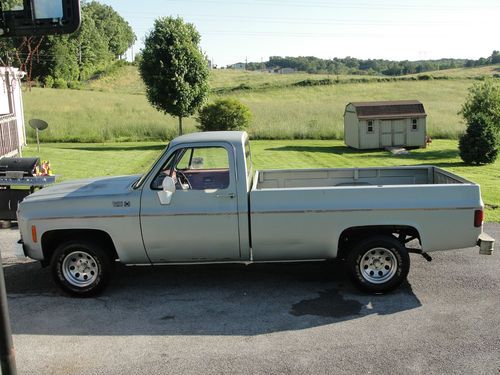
183,180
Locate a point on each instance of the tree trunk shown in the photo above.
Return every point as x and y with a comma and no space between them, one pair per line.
180,125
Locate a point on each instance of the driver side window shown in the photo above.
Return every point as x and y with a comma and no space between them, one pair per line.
196,168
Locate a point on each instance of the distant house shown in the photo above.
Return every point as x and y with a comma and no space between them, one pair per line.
370,125
286,70
238,66
12,130
209,64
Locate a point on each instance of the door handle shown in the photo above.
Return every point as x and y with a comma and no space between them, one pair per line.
230,196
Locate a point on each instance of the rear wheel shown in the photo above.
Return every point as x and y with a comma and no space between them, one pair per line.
81,268
379,264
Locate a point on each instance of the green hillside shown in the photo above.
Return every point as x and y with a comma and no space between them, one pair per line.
114,107
126,80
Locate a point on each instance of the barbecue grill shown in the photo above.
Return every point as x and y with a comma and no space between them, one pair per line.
17,180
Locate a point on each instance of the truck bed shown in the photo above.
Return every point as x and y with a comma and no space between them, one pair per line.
306,178
301,213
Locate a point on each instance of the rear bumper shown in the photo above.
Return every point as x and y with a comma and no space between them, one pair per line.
486,244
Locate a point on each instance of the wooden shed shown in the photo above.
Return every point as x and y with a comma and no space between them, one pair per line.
369,125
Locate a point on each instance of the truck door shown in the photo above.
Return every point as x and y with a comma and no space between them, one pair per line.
200,223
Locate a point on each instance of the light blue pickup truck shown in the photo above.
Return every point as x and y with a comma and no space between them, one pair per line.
201,202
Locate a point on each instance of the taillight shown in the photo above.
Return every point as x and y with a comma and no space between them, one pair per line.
33,234
478,218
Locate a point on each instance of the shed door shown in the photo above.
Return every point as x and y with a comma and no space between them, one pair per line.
385,133
399,131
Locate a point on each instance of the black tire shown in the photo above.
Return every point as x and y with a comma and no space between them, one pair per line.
81,268
378,264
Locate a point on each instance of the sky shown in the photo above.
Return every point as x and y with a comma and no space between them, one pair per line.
235,30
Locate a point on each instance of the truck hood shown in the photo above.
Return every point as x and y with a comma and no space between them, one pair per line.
85,188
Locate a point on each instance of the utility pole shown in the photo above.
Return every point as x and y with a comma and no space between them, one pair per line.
246,62
7,354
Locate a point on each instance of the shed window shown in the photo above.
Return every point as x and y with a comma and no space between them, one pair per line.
414,124
369,128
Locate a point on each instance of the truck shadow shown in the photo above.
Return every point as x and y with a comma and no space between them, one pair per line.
197,300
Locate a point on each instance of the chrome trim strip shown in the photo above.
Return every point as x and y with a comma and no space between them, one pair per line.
245,262
138,216
360,210
193,214
84,217
258,213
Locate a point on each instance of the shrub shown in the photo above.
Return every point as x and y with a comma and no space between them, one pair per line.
48,82
479,144
425,77
224,114
60,83
316,82
242,86
74,85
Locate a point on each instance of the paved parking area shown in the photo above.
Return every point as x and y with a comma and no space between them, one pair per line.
261,319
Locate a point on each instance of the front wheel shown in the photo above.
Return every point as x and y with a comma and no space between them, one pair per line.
81,268
379,264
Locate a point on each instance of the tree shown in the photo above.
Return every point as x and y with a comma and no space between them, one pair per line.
484,100
495,57
224,114
103,36
174,69
112,26
481,142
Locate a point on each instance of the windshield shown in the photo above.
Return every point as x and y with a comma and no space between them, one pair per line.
141,180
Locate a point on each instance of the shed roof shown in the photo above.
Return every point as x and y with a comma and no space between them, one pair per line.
389,109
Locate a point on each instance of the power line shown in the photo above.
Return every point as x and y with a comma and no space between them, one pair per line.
451,7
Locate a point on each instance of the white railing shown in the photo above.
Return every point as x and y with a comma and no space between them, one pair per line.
9,140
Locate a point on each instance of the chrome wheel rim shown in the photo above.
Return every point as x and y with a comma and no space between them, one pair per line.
80,269
378,265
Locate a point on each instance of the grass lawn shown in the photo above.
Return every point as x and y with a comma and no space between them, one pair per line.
72,161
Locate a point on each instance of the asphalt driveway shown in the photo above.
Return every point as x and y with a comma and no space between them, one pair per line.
260,319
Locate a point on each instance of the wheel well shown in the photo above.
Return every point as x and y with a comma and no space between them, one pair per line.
52,239
351,236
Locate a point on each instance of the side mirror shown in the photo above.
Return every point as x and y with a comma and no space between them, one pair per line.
168,190
39,17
